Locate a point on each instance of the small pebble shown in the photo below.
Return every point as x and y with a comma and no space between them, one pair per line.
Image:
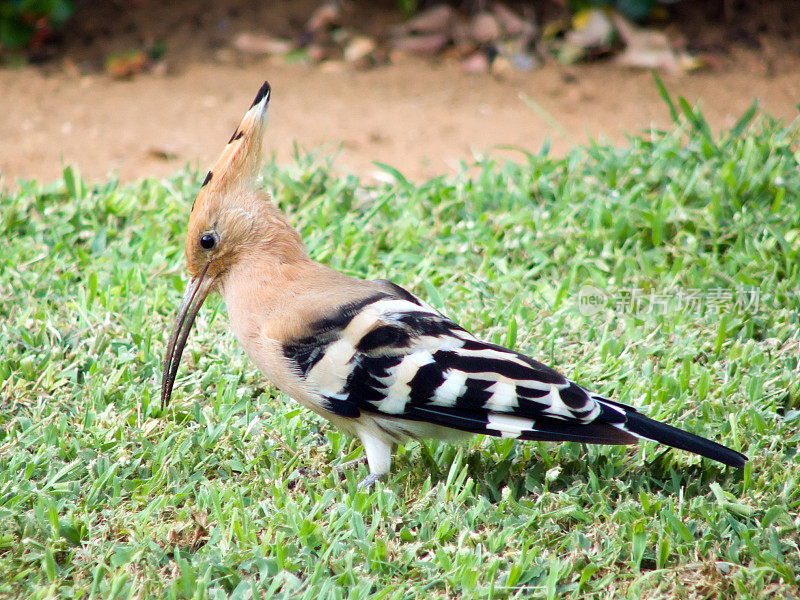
425,45
359,48
484,28
475,64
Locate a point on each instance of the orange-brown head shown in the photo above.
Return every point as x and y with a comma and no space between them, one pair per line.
231,221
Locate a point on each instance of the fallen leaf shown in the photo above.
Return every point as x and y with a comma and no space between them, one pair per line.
126,64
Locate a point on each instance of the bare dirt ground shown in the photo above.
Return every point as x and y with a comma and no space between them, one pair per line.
421,116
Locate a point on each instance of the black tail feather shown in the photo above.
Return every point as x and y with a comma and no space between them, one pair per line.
662,433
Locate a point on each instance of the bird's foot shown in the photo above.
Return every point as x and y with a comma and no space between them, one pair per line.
349,463
369,481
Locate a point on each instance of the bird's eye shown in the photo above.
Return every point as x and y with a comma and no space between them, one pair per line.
207,241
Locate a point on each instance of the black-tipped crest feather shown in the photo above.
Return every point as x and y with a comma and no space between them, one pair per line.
263,92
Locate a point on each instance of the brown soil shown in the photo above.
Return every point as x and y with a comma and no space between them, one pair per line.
421,116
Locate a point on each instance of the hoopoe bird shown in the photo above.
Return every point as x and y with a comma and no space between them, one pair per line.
370,357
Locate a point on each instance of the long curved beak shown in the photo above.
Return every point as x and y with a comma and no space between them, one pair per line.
193,298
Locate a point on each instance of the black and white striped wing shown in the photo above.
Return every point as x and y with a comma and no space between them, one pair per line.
393,355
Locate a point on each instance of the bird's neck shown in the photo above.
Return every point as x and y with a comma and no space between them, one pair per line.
259,294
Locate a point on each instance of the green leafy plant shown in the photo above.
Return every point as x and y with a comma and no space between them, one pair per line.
27,23
407,7
638,10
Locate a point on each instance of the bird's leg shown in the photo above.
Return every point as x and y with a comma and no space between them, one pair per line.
368,481
379,458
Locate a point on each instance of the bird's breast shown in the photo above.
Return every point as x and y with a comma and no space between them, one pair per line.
259,334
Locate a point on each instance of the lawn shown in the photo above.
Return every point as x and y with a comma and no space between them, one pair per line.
664,274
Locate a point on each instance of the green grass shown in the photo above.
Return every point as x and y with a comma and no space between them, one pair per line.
231,491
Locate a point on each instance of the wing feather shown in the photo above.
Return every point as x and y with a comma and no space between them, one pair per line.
393,355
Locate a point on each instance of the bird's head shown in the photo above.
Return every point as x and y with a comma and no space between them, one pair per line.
232,223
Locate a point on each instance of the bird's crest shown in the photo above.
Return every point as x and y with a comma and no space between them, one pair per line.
239,162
